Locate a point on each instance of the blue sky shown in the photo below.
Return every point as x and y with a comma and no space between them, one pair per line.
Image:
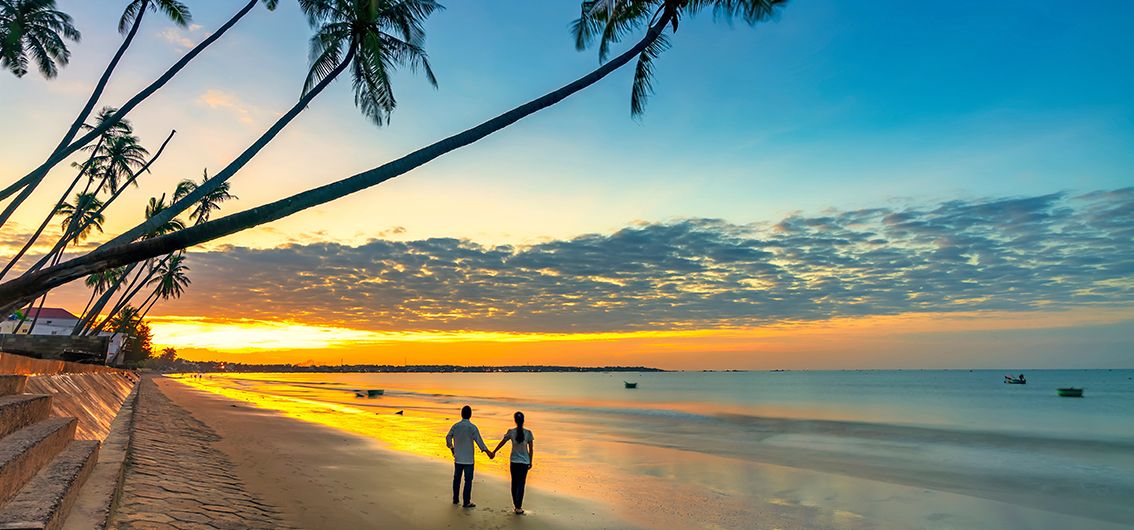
833,108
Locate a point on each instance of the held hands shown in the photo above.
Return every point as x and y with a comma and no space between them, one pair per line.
491,454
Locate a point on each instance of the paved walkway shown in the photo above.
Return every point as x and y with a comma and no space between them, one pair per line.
176,479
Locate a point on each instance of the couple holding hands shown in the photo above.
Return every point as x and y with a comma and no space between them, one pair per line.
463,434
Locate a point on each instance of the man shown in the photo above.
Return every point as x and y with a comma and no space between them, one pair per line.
460,441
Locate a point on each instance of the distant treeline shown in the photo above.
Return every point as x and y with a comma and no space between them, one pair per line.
215,366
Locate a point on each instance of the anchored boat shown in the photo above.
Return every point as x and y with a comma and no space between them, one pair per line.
630,385
1070,392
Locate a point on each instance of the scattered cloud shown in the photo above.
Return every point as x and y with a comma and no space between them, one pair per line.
1023,254
182,39
219,99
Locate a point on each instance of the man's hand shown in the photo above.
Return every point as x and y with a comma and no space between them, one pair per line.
491,455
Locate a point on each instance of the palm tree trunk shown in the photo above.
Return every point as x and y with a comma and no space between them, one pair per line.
151,303
106,256
93,312
162,217
72,232
47,220
94,293
42,301
123,300
60,154
82,117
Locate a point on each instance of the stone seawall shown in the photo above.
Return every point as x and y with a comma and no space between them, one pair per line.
94,399
91,393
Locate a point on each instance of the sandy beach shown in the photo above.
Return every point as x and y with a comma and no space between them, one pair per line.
322,478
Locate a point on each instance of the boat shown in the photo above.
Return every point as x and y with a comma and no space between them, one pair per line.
369,393
1009,380
630,385
1070,392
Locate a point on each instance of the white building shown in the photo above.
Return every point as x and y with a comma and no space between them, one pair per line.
51,321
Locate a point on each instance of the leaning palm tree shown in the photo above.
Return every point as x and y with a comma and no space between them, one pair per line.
663,16
208,203
170,282
86,169
98,283
33,30
27,184
84,213
120,156
149,268
371,38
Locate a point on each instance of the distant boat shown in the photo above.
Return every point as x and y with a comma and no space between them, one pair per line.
1009,380
630,385
1070,392
369,393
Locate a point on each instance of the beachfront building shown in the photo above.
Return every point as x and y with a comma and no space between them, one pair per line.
50,321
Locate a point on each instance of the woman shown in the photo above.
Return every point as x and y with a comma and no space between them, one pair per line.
523,448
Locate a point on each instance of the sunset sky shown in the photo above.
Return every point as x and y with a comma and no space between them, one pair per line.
853,185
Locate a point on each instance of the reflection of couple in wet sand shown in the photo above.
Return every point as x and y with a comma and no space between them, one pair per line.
463,434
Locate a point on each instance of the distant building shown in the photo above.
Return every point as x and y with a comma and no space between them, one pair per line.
51,321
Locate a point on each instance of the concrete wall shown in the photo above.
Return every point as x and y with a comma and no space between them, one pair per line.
24,365
93,398
53,346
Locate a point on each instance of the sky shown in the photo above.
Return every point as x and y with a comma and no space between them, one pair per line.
851,185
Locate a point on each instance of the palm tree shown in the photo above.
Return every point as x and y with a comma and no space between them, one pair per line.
208,203
170,282
154,207
98,283
120,156
371,37
664,16
85,169
27,184
33,30
83,213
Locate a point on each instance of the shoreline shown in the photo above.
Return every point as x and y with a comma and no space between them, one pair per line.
319,477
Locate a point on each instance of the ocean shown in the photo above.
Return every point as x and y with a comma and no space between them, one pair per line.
838,449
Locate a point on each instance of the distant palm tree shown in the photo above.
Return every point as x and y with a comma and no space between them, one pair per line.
170,282
98,283
82,213
209,203
372,38
33,30
117,160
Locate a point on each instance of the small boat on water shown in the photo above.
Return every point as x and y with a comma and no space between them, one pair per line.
1009,380
1070,392
630,385
369,393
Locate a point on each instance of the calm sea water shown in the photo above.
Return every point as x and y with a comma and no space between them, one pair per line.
900,449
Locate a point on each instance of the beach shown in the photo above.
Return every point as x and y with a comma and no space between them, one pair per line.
325,458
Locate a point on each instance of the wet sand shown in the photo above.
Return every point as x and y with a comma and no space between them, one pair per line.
319,477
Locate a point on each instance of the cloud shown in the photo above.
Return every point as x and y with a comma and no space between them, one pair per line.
180,38
1023,254
220,99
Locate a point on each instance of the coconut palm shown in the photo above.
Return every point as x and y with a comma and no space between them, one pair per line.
27,184
372,38
209,203
33,30
117,159
98,283
84,212
170,281
85,169
664,15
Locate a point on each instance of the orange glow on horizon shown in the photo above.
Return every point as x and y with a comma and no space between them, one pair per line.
874,340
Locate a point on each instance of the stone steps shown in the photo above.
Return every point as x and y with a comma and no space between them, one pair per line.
12,384
19,411
44,501
25,451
